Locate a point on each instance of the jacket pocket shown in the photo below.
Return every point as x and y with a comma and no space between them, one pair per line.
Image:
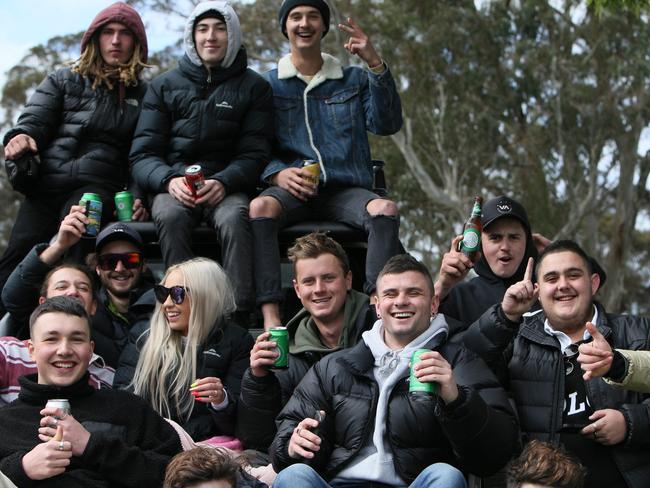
343,107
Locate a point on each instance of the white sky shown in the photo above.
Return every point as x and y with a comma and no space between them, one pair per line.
26,23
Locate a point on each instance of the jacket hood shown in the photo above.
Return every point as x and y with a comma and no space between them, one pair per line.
124,14
232,24
303,333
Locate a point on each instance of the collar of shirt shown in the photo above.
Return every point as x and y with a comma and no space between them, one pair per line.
564,340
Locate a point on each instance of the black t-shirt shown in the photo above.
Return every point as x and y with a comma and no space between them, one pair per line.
601,469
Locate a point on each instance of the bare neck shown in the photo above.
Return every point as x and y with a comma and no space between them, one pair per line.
307,62
330,333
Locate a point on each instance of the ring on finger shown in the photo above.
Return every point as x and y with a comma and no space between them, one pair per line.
61,446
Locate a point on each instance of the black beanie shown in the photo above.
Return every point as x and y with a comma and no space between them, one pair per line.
209,14
288,5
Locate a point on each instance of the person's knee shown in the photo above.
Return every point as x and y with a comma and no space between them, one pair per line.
442,474
295,475
267,207
381,206
168,213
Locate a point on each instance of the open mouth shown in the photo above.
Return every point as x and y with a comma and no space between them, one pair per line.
564,298
172,316
305,35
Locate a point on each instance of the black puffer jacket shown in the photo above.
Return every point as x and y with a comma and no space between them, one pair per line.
83,135
225,355
530,363
477,432
262,398
221,119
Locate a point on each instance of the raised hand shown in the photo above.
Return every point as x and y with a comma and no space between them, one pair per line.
453,268
72,431
595,357
520,296
359,44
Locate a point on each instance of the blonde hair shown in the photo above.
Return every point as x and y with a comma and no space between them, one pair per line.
167,364
91,64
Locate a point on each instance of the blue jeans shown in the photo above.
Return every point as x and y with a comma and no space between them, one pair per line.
439,475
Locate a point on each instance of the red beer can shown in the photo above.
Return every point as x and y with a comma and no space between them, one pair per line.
194,178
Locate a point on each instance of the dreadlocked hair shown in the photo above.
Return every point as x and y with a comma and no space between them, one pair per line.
92,65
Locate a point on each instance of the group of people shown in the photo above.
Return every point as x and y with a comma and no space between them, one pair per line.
521,356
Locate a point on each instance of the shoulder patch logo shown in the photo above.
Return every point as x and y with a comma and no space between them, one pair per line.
223,104
212,352
131,101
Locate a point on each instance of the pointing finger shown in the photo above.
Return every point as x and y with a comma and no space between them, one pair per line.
528,276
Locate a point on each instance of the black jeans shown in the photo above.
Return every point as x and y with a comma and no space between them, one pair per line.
175,221
346,205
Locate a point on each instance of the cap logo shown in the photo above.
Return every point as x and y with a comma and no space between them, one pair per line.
504,207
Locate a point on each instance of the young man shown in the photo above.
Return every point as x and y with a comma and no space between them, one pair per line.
333,318
215,112
373,431
123,298
535,354
109,438
80,120
506,245
323,113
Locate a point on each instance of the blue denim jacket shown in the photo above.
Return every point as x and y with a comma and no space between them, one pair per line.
327,119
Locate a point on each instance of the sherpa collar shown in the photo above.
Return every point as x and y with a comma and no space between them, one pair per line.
331,70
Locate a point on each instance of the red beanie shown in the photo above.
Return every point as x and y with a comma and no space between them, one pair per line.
124,14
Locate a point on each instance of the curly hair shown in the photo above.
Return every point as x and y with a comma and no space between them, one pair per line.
92,65
544,464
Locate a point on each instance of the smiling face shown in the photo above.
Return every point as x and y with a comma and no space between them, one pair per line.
405,304
211,40
322,287
71,282
61,347
503,244
120,280
116,44
177,315
566,290
305,28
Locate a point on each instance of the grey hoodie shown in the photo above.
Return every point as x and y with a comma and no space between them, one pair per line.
375,460
232,24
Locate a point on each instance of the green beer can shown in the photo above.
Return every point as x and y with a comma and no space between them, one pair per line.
417,389
93,204
280,335
124,206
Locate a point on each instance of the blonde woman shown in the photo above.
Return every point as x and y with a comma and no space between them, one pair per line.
189,362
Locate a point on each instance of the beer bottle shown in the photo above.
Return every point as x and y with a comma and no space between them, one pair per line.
472,232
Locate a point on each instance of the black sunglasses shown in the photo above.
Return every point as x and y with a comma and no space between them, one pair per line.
130,260
176,292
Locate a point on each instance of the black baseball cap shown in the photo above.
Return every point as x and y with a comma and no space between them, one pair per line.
501,207
118,231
